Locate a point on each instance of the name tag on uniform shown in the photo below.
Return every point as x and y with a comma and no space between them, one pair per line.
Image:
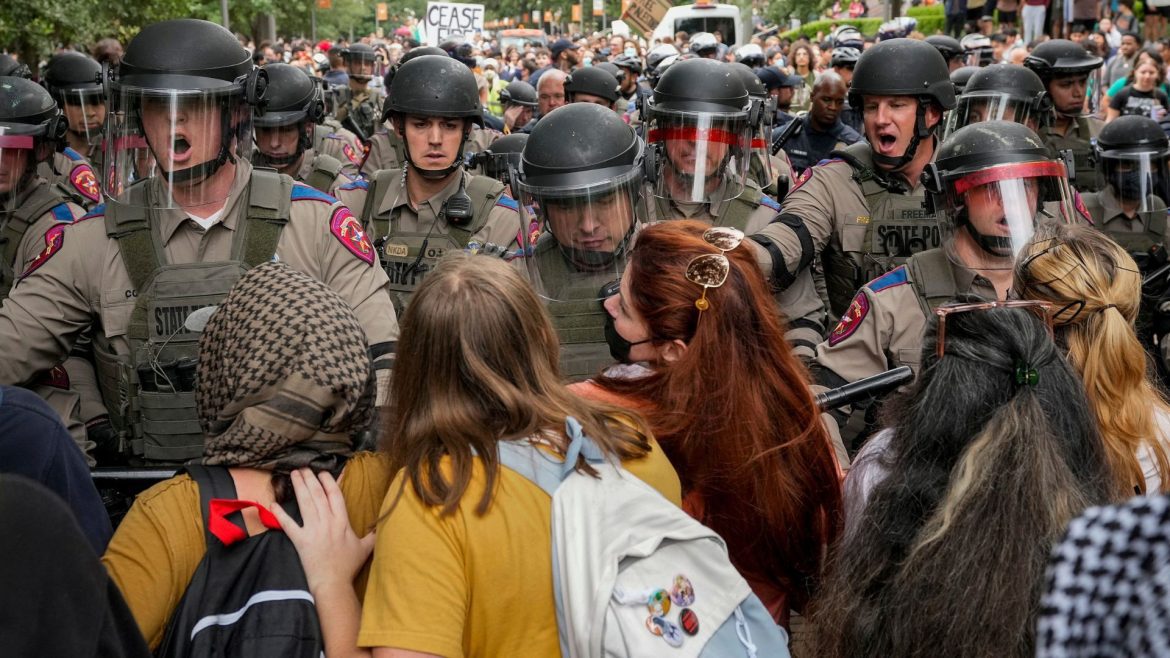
397,250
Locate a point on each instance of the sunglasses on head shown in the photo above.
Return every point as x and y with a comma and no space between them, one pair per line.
711,270
1042,310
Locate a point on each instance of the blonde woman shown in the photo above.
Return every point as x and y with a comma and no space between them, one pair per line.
1095,287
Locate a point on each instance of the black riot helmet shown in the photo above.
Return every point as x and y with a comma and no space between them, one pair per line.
502,159
655,57
75,81
180,85
360,61
409,55
991,181
293,98
960,76
519,92
629,63
1057,57
30,122
612,69
69,75
947,46
10,67
1132,155
701,106
434,86
583,167
903,67
594,82
1002,92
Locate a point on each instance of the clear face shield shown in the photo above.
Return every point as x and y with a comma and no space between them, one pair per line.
364,67
991,214
760,166
18,161
1138,180
279,143
182,140
702,156
980,106
582,236
85,110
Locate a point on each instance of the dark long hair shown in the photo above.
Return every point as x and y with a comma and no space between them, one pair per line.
983,476
734,413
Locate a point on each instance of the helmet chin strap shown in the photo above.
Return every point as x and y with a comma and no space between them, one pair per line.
920,132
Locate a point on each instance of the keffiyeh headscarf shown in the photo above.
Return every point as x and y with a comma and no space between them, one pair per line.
1108,584
284,378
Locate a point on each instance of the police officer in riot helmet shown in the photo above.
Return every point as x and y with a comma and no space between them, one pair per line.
592,85
843,61
519,102
1002,92
705,45
582,173
655,57
502,160
360,111
431,205
33,214
284,132
185,215
771,172
865,208
12,67
977,49
960,76
1065,67
385,146
700,125
950,49
1131,155
74,80
991,185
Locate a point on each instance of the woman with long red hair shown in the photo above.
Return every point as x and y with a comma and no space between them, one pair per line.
728,402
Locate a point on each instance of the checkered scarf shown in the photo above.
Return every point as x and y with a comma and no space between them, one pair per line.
1108,584
284,377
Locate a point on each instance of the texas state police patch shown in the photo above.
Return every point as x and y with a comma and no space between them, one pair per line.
346,228
54,240
351,154
851,320
85,181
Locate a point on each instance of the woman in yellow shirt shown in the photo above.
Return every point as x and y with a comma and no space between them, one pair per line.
462,564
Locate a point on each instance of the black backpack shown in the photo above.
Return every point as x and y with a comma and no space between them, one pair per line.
249,597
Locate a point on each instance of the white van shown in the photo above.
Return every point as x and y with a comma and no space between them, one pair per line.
706,17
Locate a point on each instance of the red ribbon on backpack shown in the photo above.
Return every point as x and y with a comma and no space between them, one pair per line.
226,531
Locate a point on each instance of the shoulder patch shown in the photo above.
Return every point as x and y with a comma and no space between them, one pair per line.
351,154
302,192
801,179
769,202
85,181
346,228
62,213
72,154
356,184
54,239
508,202
891,279
851,320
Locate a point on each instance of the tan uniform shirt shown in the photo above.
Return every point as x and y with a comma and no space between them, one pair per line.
800,303
885,324
343,145
86,279
1109,217
344,177
410,225
63,386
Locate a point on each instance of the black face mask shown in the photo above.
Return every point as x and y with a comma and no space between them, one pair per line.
1130,185
619,347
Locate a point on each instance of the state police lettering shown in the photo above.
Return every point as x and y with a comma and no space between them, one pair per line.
168,320
904,240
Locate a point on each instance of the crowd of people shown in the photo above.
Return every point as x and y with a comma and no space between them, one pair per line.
586,348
